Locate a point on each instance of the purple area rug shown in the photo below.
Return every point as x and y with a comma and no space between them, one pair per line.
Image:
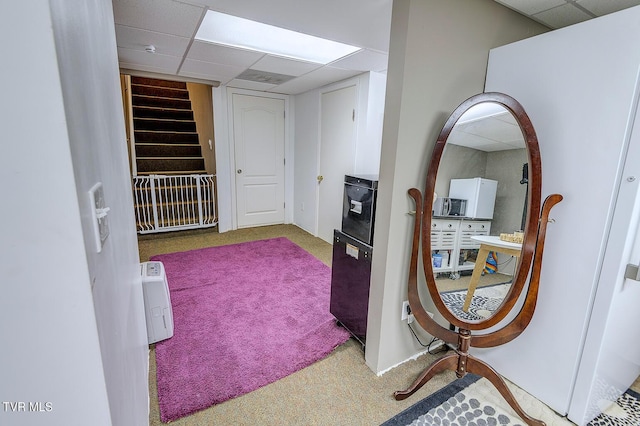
245,315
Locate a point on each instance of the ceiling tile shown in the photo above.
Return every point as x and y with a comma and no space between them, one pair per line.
531,7
600,8
252,85
137,39
284,66
142,60
219,72
318,78
492,147
208,52
163,16
170,26
562,16
364,60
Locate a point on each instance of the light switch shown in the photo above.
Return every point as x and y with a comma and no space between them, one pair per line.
99,212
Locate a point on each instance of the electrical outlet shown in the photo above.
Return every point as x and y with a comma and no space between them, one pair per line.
406,309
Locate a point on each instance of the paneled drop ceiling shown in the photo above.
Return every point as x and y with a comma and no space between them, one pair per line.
561,13
170,27
491,131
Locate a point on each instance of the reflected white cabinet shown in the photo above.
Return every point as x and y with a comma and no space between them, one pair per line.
444,237
450,237
467,230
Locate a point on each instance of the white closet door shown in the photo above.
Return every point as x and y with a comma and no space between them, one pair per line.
337,156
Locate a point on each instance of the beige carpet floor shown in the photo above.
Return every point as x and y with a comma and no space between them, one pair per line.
338,390
444,283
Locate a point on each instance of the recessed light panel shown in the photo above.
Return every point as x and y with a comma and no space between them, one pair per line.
232,31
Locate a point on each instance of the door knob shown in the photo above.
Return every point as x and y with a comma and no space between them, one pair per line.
320,178
632,272
239,171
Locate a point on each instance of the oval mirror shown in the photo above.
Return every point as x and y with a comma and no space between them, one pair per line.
484,188
481,231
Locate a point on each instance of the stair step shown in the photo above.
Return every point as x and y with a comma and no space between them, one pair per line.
162,113
167,150
149,136
174,172
148,81
165,132
163,125
162,92
141,100
169,164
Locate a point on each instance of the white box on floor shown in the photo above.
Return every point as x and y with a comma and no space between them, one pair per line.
157,302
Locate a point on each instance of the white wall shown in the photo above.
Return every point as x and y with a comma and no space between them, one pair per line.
438,57
302,150
370,89
307,139
73,332
224,165
371,109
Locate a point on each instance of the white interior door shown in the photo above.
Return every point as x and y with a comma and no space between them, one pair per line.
258,133
337,156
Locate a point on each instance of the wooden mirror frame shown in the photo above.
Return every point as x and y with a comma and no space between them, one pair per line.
529,266
533,208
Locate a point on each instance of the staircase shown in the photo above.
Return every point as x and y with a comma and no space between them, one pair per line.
165,135
170,187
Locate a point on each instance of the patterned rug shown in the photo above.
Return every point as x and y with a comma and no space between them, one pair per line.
485,301
624,412
473,400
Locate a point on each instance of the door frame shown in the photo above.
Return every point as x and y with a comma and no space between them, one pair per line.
225,145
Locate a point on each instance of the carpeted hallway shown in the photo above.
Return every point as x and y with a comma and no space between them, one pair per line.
339,390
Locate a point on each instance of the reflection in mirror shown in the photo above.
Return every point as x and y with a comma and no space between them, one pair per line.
458,233
484,164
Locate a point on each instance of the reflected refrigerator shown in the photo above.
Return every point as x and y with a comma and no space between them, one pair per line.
480,194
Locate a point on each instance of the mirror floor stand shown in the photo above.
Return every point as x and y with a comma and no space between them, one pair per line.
483,115
462,363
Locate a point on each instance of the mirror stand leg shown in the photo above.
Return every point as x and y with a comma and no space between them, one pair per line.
447,362
476,366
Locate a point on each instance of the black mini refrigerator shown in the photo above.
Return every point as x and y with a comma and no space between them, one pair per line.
352,253
359,207
350,276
